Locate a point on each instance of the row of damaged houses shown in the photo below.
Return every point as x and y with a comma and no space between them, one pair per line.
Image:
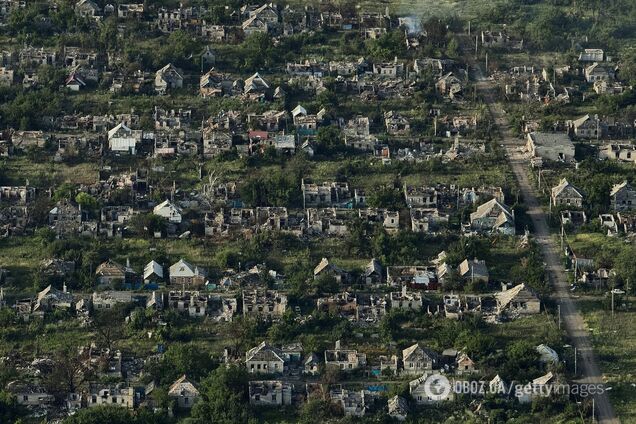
271,18
558,146
531,83
128,395
169,140
256,303
415,360
176,133
364,308
67,218
359,77
248,19
165,141
266,359
329,209
358,403
272,393
191,303
191,292
622,198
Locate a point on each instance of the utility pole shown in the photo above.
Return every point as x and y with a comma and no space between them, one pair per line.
559,312
576,266
562,236
575,361
486,64
458,197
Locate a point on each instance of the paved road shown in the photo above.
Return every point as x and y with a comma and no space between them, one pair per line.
574,325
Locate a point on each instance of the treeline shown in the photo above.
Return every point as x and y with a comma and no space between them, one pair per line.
561,25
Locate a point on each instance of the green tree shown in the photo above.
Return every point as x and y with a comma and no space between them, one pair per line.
627,69
147,223
521,362
186,358
387,197
108,33
107,324
326,284
530,270
116,415
278,187
257,52
10,411
67,373
452,49
316,411
102,414
436,31
327,99
25,20
358,238
474,343
388,46
286,329
624,266
64,191
328,139
223,397
45,236
87,202
381,244
7,317
178,49
546,29
390,325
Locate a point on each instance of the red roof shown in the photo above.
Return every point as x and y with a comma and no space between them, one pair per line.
258,134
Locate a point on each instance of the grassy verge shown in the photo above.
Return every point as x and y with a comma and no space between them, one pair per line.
614,340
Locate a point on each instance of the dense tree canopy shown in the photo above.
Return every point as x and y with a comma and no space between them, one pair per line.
223,397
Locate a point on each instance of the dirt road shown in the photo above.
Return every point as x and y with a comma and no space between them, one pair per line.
589,370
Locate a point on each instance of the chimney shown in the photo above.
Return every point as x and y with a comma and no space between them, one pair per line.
337,344
404,290
64,288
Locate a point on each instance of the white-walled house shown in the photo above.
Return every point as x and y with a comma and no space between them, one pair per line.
184,391
122,139
169,211
264,359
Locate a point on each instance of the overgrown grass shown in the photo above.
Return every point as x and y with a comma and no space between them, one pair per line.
17,170
614,339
